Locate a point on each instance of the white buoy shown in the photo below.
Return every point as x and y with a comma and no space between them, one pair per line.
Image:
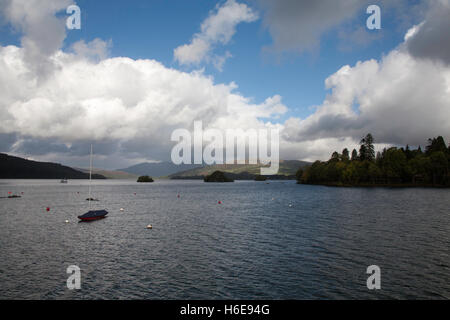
121,209
67,221
149,226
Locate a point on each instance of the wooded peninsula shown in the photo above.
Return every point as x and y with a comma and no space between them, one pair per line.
392,167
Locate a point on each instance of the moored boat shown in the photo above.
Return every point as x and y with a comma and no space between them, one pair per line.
93,215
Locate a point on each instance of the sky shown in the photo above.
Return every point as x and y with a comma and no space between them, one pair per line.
138,70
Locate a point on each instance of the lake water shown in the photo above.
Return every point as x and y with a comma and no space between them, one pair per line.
265,241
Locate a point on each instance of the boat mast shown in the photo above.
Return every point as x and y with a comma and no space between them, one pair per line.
90,178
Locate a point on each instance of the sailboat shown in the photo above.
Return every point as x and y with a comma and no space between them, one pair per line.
92,214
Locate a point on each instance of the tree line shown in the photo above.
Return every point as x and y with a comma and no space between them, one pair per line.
392,166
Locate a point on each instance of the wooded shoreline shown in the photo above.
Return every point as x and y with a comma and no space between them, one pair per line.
369,185
392,168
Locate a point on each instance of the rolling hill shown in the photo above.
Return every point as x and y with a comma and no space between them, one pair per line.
160,169
287,168
111,174
18,168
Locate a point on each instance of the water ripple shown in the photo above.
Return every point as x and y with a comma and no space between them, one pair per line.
265,241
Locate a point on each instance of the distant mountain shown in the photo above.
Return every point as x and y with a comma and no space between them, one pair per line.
160,169
287,168
19,168
111,174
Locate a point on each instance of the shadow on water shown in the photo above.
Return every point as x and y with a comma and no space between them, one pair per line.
90,221
264,241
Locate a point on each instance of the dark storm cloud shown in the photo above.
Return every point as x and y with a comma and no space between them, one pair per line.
331,125
6,141
149,149
432,38
38,147
81,148
296,25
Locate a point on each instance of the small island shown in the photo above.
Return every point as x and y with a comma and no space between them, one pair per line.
145,179
217,176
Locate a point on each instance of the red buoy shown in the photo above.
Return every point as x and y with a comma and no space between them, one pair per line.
220,202
48,208
178,196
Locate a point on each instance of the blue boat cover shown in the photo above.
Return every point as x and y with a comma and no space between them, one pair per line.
94,214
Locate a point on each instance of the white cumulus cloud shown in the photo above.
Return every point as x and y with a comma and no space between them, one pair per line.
117,99
218,28
43,33
129,108
400,99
